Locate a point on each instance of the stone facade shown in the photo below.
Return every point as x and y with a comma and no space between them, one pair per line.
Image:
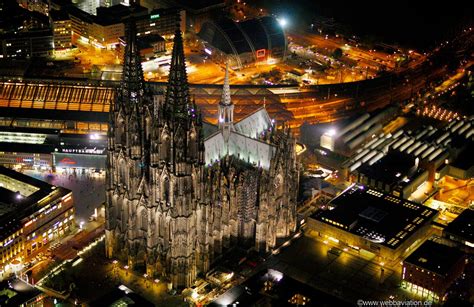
168,209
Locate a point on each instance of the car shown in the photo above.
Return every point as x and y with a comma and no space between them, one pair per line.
335,251
172,292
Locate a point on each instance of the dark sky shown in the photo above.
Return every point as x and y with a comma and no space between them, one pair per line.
416,23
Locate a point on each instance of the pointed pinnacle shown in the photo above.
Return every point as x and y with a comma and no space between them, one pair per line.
225,100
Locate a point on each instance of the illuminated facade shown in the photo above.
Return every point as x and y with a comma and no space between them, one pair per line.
62,30
32,213
105,29
37,43
169,212
432,268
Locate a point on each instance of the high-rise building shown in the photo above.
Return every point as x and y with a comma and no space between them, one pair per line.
175,199
62,30
30,44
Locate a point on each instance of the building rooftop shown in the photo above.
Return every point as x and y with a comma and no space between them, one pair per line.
435,257
117,13
463,226
147,41
118,297
27,34
240,37
378,217
282,291
17,293
392,169
464,160
200,5
21,196
59,15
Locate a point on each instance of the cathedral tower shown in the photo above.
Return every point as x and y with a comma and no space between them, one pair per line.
155,160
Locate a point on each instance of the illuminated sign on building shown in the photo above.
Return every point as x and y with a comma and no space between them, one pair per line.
84,150
261,53
155,16
67,161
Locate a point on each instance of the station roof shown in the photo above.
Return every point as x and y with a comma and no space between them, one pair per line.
376,216
233,37
463,226
435,257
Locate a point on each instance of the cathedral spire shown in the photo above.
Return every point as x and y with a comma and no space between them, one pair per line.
226,108
177,92
226,90
132,74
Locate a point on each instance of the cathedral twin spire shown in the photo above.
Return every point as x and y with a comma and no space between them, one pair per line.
132,87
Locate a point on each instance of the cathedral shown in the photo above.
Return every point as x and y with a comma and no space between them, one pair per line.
177,198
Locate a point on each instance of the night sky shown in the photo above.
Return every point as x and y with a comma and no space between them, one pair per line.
411,23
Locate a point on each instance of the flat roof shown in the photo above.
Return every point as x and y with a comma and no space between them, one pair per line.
14,206
463,226
117,297
199,5
391,169
435,257
83,116
464,160
376,216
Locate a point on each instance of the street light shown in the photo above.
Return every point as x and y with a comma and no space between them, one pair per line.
282,22
126,269
115,268
146,279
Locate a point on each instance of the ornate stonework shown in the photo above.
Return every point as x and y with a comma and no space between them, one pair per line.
175,200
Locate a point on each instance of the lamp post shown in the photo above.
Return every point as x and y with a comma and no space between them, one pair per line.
146,279
115,262
126,270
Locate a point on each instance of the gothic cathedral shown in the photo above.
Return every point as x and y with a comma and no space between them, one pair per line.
176,198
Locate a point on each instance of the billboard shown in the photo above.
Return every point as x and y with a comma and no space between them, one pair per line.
70,160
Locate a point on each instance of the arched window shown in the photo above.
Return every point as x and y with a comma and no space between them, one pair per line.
123,172
124,217
192,145
165,189
118,208
165,148
143,220
279,187
120,132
